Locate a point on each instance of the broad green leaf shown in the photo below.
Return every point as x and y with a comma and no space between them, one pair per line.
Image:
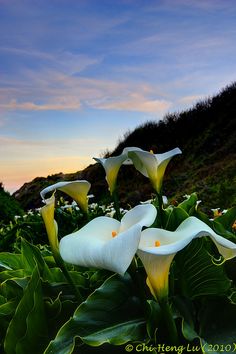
8,274
31,256
28,328
202,216
153,318
58,312
2,300
79,279
174,217
223,224
227,219
13,288
8,308
10,261
184,308
189,203
111,314
217,320
197,274
213,326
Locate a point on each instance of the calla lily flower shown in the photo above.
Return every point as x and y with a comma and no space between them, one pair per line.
107,243
77,190
113,164
152,165
158,247
47,212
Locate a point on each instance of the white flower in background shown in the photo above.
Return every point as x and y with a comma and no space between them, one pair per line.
77,190
152,165
112,166
47,212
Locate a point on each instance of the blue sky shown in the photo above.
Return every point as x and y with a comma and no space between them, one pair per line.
76,75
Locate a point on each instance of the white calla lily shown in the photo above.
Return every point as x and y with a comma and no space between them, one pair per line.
152,165
77,190
107,243
112,166
47,212
158,247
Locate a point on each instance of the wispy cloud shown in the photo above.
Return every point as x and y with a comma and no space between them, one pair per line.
68,104
136,102
191,99
55,90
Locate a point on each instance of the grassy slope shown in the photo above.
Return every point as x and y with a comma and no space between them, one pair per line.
9,207
206,136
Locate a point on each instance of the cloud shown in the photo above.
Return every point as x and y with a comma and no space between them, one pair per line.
191,99
31,106
136,102
51,89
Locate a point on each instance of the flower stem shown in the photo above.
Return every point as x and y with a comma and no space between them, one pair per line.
169,320
160,205
60,263
116,205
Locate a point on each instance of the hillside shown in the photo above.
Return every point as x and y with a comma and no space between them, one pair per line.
206,135
9,207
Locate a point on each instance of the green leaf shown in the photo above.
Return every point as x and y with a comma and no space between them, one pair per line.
222,225
10,261
202,216
28,328
13,288
227,219
173,217
8,308
31,256
8,274
58,312
189,203
153,318
197,274
111,314
184,308
218,326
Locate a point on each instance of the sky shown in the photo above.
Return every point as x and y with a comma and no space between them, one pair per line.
76,75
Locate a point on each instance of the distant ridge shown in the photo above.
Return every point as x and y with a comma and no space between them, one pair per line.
206,134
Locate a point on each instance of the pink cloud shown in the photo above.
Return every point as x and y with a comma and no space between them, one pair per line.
31,106
137,102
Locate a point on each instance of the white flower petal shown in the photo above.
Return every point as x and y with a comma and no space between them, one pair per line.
173,241
158,247
111,166
144,215
157,269
94,246
144,161
120,251
77,190
47,213
68,187
152,165
167,155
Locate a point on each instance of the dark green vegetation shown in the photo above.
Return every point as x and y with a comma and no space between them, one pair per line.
40,313
206,136
9,207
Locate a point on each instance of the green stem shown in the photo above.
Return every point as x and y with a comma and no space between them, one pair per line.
160,205
169,321
116,205
60,263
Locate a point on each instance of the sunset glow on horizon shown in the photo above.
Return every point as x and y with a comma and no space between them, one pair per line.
75,76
